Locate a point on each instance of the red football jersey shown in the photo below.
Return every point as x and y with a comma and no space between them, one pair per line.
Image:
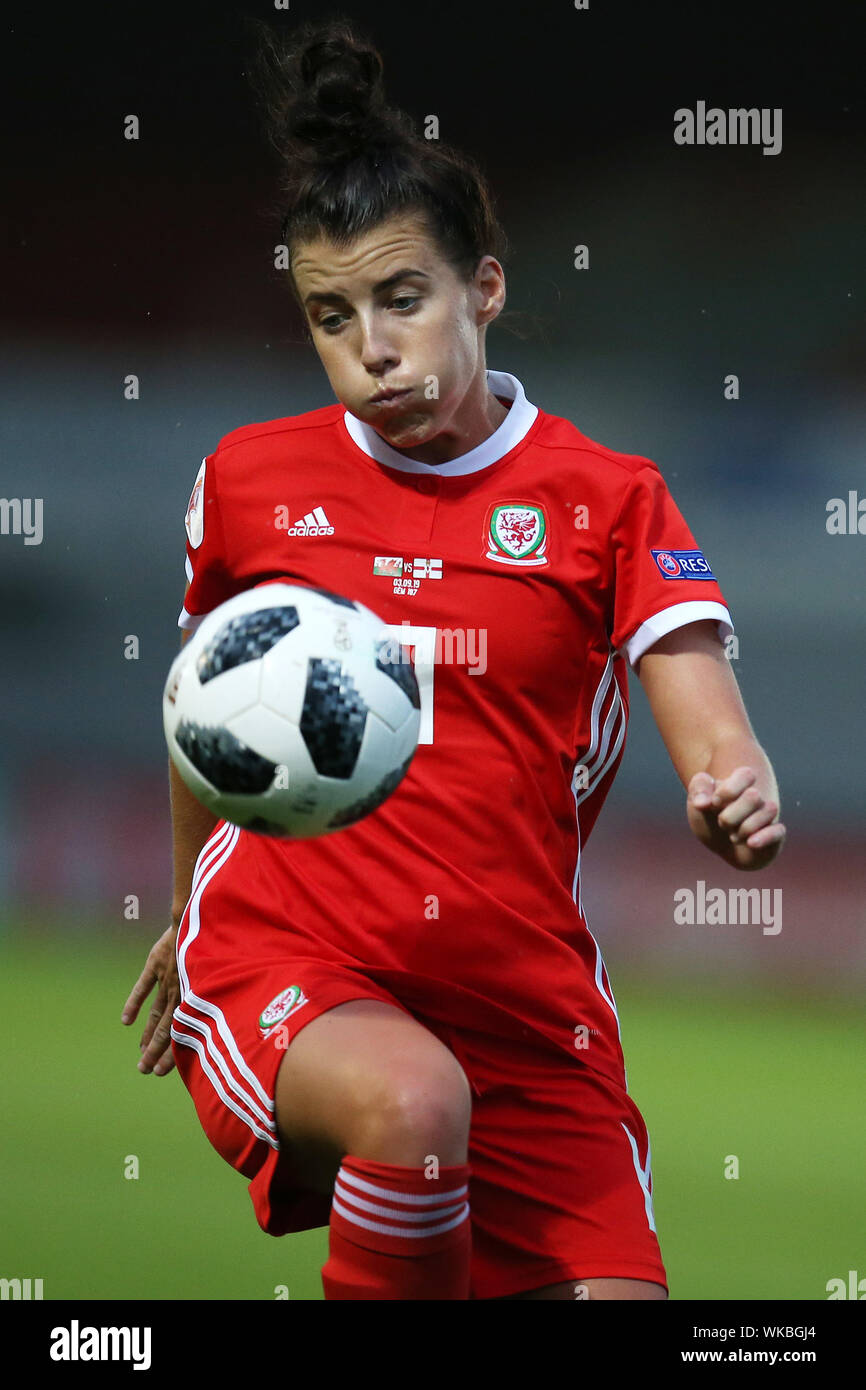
525,575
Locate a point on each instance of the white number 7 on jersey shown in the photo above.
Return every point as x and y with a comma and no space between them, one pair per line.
423,642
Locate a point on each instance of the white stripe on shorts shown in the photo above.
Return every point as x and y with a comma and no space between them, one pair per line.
200,1014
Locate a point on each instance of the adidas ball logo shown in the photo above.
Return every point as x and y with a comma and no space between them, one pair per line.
315,523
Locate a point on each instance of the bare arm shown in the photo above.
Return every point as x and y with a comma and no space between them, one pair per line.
192,824
732,801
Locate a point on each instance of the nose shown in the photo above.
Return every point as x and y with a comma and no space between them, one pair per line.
378,354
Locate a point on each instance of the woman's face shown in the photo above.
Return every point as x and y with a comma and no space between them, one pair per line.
389,313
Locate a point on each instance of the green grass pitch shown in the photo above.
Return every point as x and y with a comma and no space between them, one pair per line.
776,1082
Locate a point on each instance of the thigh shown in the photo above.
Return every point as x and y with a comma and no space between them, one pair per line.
275,1065
367,1078
561,1186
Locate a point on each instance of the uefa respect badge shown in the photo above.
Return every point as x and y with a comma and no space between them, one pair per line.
682,564
288,1001
515,533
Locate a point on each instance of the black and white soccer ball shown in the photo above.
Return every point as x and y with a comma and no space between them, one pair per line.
291,711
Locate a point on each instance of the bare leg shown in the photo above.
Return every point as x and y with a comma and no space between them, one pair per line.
367,1079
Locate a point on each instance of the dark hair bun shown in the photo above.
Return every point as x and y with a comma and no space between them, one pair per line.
334,106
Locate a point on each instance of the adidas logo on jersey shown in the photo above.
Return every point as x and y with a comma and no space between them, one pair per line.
315,523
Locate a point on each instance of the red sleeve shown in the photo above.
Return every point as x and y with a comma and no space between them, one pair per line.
662,579
206,564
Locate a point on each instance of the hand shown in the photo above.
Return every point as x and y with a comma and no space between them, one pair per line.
160,968
731,817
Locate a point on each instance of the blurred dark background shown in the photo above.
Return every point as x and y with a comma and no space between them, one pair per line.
154,257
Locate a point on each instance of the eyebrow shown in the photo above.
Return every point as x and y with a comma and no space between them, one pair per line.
334,298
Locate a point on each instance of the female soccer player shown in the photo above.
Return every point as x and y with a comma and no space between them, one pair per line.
405,1029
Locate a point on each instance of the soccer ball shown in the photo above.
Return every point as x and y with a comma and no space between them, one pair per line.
291,712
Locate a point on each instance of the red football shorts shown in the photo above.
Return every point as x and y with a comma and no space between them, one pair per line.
559,1155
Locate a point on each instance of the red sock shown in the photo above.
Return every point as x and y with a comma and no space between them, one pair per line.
396,1234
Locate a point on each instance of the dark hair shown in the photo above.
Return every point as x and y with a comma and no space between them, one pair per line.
349,160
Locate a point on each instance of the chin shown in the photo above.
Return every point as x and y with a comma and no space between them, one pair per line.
406,436
411,424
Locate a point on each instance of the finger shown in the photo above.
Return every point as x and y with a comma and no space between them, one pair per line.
141,989
736,811
762,815
154,1017
701,789
159,1043
733,785
768,836
165,1063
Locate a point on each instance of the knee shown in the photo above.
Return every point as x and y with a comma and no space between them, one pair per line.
415,1114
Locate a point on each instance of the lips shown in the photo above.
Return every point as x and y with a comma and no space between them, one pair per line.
382,397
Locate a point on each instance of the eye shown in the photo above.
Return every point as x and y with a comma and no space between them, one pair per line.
332,323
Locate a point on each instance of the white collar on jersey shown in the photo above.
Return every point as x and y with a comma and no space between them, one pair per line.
513,428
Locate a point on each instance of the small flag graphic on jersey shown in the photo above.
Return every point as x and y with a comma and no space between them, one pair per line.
194,520
682,564
515,533
389,565
427,569
315,523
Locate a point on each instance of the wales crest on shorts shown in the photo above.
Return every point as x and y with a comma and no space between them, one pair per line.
279,1009
516,533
